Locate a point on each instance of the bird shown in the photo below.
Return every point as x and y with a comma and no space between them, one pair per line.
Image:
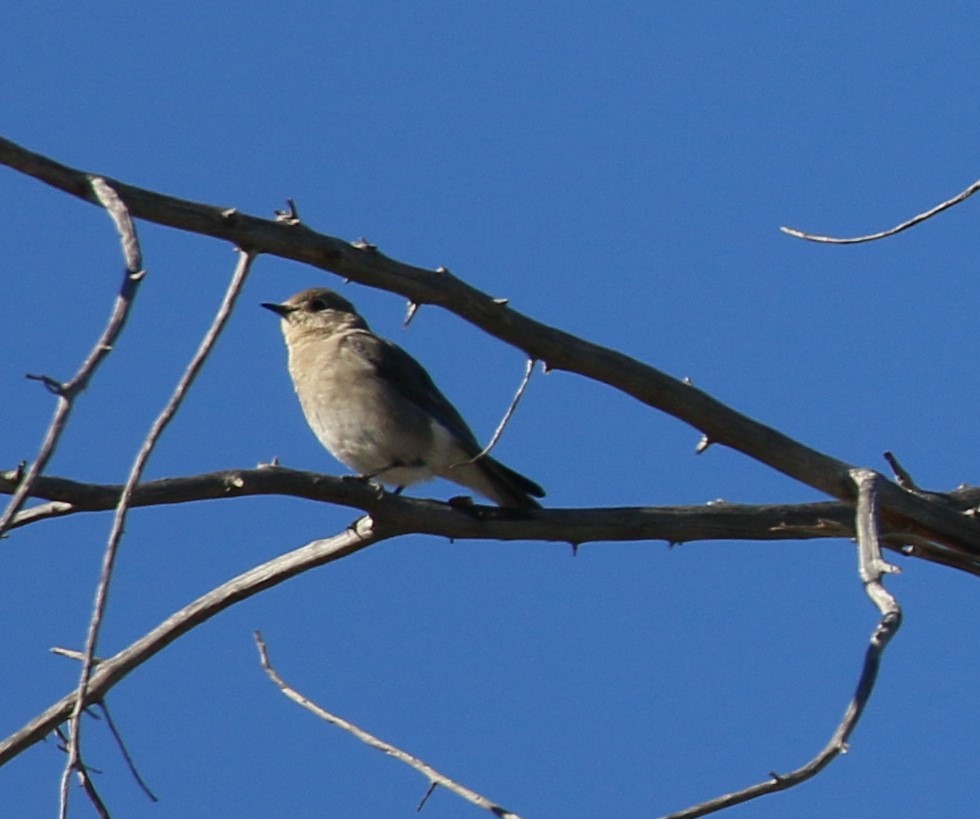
377,410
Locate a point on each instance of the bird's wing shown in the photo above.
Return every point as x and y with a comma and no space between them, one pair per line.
409,378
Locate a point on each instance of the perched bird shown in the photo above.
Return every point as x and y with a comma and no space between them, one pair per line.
376,409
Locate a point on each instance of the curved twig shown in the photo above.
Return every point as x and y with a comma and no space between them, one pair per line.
70,390
871,237
871,567
522,387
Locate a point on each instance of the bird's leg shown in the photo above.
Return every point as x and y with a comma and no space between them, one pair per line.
369,477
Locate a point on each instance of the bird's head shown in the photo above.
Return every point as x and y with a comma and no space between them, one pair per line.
317,310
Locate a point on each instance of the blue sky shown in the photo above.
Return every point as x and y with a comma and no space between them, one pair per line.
620,172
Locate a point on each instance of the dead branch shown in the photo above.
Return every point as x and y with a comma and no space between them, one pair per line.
112,670
674,524
119,519
69,391
871,567
512,407
435,777
871,237
927,525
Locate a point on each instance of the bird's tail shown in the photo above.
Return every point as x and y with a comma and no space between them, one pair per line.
499,483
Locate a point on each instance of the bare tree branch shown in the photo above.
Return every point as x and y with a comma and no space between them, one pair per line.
512,407
937,527
871,567
85,780
119,519
902,477
915,220
109,199
112,670
103,707
435,777
67,392
134,263
680,524
127,757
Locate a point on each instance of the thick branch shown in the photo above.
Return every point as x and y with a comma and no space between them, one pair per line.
678,524
559,350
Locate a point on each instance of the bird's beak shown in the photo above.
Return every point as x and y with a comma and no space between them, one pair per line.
281,310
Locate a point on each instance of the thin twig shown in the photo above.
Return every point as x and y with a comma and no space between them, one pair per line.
290,216
435,778
41,511
528,372
425,796
811,237
85,780
117,209
116,735
70,390
93,795
72,654
871,567
119,520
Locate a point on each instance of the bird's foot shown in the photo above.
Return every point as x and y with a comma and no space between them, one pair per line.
366,480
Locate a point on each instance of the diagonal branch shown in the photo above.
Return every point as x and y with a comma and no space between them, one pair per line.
111,671
435,777
127,757
85,780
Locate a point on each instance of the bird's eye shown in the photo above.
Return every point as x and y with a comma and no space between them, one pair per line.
316,305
